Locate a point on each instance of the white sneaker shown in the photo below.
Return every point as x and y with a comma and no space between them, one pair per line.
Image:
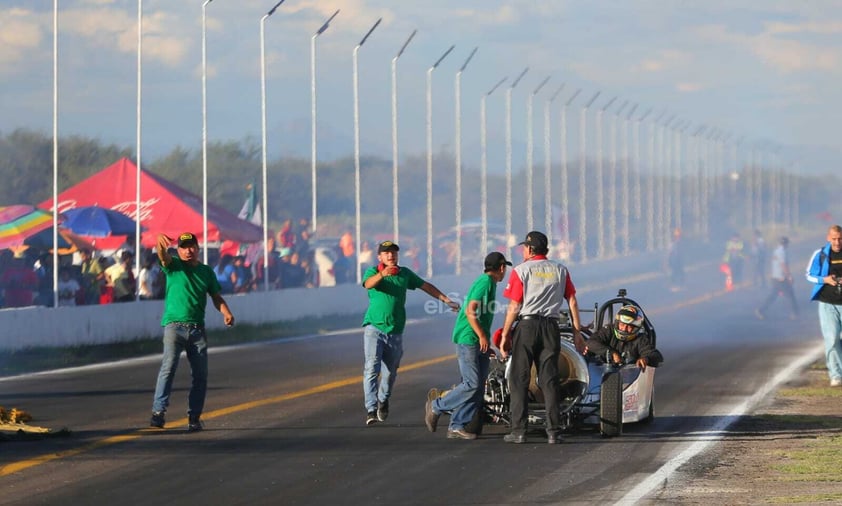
836,382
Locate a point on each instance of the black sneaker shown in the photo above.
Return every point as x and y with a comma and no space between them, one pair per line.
382,411
371,418
157,419
194,424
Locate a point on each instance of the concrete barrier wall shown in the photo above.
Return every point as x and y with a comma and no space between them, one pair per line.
67,326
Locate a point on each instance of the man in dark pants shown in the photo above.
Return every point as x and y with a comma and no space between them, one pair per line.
536,291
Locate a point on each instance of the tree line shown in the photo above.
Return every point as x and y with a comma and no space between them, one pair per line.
26,165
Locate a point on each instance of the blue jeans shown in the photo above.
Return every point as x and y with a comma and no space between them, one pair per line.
830,321
383,354
466,398
180,337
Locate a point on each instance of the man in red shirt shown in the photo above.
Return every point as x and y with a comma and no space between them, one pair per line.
536,291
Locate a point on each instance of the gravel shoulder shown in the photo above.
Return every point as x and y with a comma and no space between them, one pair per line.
789,451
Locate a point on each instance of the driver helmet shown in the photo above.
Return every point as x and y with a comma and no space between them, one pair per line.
630,315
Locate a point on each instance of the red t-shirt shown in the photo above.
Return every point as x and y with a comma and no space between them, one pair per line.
19,285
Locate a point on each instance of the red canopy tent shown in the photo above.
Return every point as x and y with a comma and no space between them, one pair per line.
164,206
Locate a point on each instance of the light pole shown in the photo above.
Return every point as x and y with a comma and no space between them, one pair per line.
751,174
669,179
677,197
565,177
600,190
530,149
693,153
638,209
357,204
484,165
548,162
263,145
430,161
735,173
509,159
625,181
707,182
612,183
583,173
796,199
650,190
321,30
395,211
138,139
55,152
205,132
458,140
661,185
774,189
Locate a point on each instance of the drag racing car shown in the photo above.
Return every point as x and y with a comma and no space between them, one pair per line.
593,391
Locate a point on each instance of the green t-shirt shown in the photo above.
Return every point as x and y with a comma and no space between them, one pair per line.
387,301
187,291
484,290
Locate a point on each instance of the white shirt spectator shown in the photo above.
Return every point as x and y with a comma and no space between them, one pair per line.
67,290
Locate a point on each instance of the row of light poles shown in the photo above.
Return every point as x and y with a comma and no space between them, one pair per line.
706,146
665,136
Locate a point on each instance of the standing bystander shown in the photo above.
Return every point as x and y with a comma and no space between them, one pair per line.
121,279
93,276
68,288
188,281
781,281
150,279
383,325
758,256
825,273
18,282
536,291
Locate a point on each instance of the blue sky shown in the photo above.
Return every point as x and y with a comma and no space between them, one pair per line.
766,70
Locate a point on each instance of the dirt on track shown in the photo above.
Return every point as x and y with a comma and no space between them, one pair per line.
759,460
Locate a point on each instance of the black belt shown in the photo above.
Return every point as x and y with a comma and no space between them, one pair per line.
188,325
536,317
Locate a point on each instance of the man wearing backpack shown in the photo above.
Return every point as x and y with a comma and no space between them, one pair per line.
825,273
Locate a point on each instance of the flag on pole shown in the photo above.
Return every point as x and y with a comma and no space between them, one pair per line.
251,207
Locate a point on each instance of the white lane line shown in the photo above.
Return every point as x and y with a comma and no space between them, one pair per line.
211,350
661,476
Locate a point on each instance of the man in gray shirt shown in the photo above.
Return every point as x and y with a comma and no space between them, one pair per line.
536,290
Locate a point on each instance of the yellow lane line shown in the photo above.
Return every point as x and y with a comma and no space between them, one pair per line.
15,467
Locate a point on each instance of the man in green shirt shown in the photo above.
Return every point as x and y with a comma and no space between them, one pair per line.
384,322
471,333
189,282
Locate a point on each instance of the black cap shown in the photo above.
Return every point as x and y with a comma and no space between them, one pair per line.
186,239
537,241
784,240
494,260
387,246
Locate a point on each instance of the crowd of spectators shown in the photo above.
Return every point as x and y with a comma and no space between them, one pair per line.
96,277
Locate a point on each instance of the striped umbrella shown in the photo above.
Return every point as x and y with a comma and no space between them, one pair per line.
21,221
